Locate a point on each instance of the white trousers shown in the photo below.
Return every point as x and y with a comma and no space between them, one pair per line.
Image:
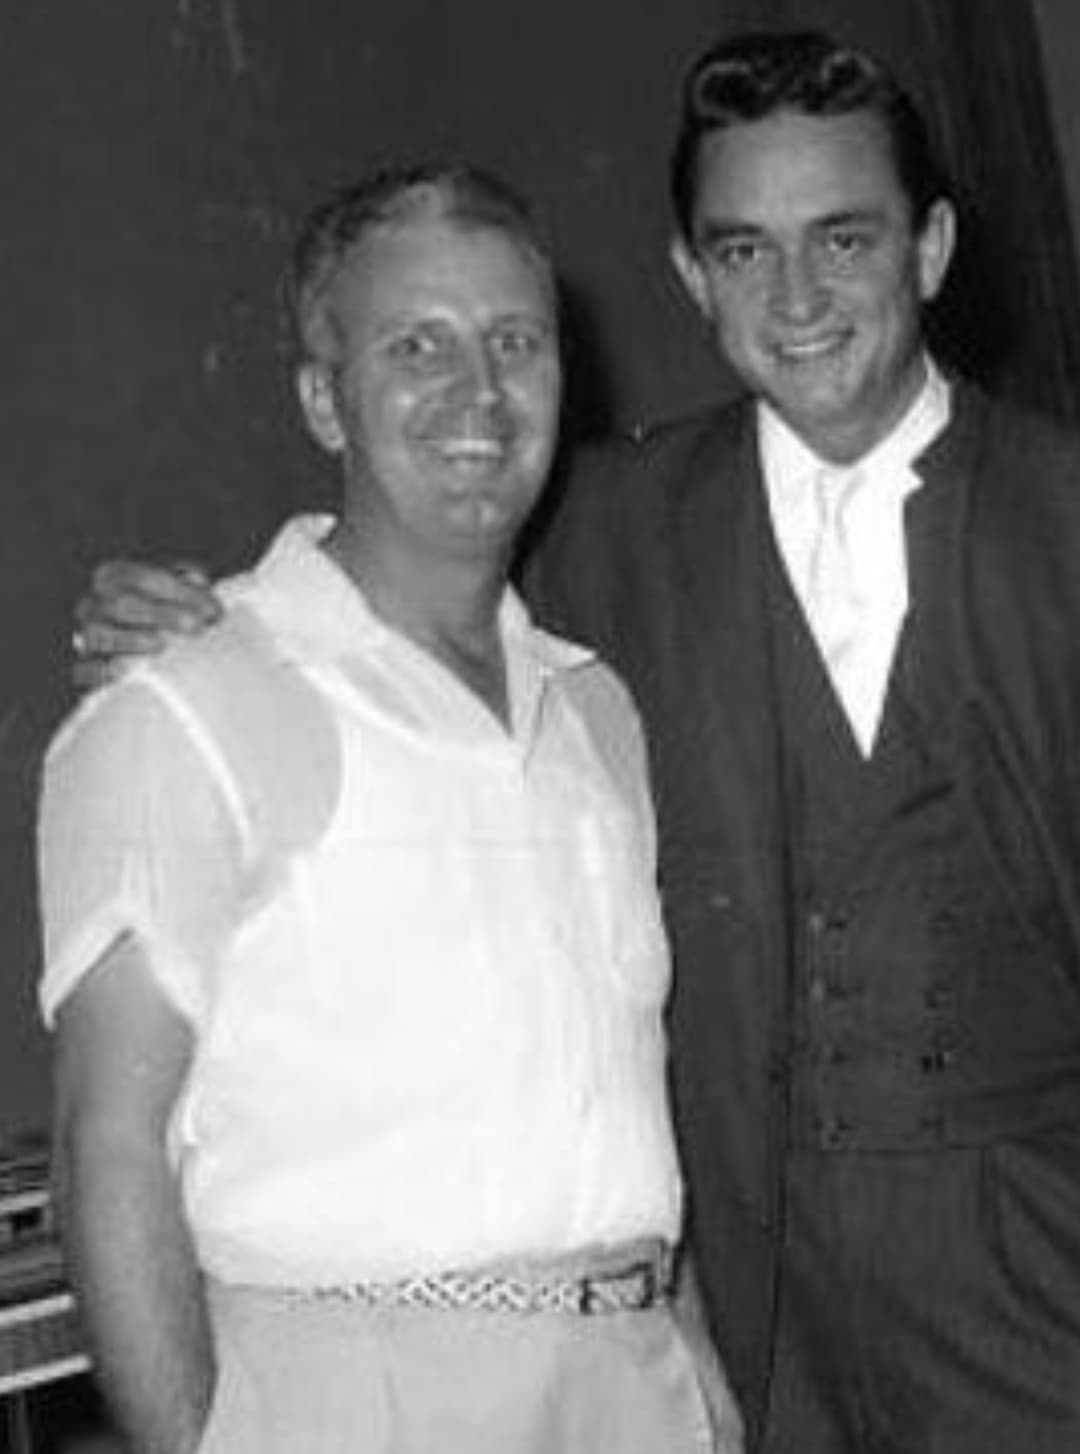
304,1377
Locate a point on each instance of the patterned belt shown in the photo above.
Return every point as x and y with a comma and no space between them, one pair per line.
627,1287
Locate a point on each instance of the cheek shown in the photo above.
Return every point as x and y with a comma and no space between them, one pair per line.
394,411
742,339
534,415
889,295
379,432
736,316
536,398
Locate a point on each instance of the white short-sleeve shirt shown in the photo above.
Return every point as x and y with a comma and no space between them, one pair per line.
422,954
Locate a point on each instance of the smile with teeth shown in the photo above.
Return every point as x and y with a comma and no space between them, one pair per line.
473,452
809,349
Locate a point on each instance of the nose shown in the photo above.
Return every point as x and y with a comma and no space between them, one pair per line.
798,291
481,377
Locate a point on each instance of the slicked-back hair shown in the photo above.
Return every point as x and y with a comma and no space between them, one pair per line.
457,192
756,75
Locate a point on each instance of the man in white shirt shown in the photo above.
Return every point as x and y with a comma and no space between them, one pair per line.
847,606
353,949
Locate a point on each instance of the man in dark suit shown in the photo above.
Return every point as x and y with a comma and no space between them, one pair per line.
848,605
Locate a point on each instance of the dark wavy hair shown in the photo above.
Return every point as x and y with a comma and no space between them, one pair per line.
756,75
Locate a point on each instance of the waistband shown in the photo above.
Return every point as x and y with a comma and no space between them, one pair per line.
641,1280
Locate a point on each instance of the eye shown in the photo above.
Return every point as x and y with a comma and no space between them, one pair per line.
737,255
847,244
419,348
518,342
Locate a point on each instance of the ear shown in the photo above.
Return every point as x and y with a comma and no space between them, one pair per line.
318,399
690,272
936,244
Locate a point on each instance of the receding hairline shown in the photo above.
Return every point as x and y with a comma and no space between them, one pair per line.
465,202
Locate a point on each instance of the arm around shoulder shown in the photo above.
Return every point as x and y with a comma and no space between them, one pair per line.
133,609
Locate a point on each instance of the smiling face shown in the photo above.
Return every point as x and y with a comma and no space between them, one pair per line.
443,390
807,263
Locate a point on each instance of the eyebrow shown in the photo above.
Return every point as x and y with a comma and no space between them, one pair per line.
715,230
851,216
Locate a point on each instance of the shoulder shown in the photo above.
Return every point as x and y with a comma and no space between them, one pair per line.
654,455
258,708
616,540
670,431
231,696
613,496
166,710
1023,429
235,656
1015,529
228,672
1005,434
1025,466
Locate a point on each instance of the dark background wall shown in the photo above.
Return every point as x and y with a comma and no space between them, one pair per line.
154,159
1058,23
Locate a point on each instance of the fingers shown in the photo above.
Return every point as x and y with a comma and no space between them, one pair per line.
132,610
90,672
128,595
98,638
101,653
192,572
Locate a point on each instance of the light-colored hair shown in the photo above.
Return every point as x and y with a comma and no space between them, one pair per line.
457,192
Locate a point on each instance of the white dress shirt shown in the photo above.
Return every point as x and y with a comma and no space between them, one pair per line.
868,590
425,973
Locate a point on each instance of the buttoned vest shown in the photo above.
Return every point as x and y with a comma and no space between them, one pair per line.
927,1010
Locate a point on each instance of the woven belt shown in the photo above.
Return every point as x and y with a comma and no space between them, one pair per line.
631,1287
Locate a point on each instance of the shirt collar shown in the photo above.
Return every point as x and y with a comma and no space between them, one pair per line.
317,611
788,463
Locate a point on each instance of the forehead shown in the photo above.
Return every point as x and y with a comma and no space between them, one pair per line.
434,262
791,165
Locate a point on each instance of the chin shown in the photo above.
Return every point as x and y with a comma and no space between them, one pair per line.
480,530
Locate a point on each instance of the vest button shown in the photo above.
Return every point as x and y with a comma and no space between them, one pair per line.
819,922
933,1062
835,1132
939,997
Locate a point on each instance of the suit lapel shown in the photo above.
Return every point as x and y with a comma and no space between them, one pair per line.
720,525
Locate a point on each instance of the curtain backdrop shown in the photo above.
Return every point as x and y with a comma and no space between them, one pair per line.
1015,316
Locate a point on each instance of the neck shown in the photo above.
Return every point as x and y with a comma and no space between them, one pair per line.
449,608
847,446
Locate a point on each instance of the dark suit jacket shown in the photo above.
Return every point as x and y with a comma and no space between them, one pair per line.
654,558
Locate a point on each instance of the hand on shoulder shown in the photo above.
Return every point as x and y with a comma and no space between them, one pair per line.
132,609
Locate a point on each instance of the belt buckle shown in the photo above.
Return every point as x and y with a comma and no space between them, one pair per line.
591,1293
